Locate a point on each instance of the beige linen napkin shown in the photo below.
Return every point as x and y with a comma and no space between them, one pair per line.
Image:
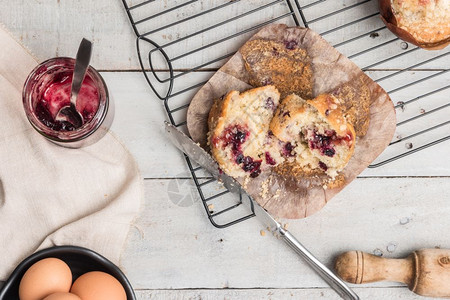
51,195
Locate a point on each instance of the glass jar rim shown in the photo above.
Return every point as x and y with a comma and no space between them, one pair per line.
80,133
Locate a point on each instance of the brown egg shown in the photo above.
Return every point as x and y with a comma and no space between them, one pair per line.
45,277
98,286
62,296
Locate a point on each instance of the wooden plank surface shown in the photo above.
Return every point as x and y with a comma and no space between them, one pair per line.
173,245
172,250
400,293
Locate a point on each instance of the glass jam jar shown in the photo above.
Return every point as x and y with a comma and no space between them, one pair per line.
47,90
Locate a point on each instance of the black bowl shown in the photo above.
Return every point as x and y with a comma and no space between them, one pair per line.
80,260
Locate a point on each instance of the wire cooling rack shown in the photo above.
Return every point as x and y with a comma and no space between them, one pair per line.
181,43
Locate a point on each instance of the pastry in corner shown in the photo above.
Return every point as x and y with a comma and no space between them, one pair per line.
317,137
239,131
425,23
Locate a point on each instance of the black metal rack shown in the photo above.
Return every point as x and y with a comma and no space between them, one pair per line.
182,38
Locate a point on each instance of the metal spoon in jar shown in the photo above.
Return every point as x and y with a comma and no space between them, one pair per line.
70,113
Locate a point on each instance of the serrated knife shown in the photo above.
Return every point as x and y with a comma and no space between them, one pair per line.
200,156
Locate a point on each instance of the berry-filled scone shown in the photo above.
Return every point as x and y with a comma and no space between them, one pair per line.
317,138
238,131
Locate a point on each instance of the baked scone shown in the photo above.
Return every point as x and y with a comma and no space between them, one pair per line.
425,23
285,65
317,138
238,131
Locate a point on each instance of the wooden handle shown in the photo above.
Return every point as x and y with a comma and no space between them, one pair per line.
360,267
426,272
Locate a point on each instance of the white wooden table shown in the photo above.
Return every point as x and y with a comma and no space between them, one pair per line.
173,251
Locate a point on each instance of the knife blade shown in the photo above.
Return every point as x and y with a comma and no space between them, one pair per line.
199,155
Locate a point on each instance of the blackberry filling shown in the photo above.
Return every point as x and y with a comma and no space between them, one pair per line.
239,158
323,142
240,137
275,51
323,166
269,104
270,160
252,166
266,81
255,173
288,150
329,152
235,136
290,45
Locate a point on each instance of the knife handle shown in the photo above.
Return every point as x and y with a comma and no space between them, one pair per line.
335,283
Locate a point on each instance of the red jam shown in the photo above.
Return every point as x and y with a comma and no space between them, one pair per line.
55,94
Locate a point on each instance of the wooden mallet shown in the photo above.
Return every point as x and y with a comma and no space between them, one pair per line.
426,272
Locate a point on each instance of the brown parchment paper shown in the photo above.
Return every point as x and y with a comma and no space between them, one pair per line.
287,196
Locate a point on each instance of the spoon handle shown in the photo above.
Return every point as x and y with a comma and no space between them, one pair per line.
81,65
